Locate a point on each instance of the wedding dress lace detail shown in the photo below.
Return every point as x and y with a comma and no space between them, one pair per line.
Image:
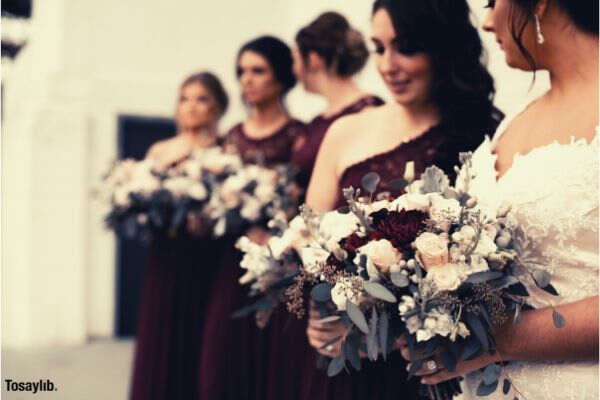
553,192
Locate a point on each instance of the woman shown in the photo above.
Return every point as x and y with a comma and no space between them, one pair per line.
546,164
175,284
327,56
235,352
442,106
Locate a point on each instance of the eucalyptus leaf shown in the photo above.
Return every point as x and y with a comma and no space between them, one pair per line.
485,390
330,342
321,292
471,349
550,289
398,185
329,319
399,279
484,276
506,386
379,291
384,325
351,346
336,366
372,347
357,316
559,320
542,278
434,180
476,326
414,368
370,181
491,374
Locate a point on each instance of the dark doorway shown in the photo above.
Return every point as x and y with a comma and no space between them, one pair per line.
136,135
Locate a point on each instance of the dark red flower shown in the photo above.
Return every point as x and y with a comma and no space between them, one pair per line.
399,227
331,260
353,242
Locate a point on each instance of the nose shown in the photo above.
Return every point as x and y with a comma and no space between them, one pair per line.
386,62
487,23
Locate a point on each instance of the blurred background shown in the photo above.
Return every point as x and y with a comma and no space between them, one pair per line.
86,82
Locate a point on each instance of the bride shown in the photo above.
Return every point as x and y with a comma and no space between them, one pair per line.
544,163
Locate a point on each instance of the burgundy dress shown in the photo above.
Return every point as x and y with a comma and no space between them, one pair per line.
304,157
236,355
177,277
380,380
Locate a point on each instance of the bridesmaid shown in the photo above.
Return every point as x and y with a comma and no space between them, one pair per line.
235,352
443,105
176,283
328,54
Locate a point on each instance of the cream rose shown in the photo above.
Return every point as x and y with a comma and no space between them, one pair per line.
445,277
411,201
444,211
382,253
432,249
197,191
338,226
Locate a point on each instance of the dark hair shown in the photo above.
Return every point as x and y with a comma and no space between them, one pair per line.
462,87
583,14
330,36
277,54
212,84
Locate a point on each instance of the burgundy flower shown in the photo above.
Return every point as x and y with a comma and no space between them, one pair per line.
399,227
353,242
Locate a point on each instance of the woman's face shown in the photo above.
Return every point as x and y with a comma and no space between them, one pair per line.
257,79
408,76
498,21
196,107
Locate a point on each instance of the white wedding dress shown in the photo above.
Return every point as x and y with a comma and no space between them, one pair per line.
553,192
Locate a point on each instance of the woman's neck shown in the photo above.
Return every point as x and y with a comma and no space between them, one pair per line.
268,113
572,64
339,93
202,136
419,114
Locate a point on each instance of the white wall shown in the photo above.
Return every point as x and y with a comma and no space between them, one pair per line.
87,62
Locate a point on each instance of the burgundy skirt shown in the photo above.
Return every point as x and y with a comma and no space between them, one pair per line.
172,307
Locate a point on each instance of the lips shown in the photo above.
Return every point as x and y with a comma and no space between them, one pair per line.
399,86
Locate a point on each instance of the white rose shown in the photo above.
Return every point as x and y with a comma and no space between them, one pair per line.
444,211
430,323
432,248
313,258
485,246
177,186
382,253
445,277
197,191
411,201
443,324
375,206
346,289
338,226
460,329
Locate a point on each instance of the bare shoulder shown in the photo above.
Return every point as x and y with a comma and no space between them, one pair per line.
351,126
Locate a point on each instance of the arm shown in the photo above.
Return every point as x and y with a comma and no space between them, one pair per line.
323,187
536,338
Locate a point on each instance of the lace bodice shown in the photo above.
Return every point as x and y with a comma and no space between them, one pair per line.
553,193
270,150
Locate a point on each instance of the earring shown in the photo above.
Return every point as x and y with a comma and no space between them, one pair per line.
538,30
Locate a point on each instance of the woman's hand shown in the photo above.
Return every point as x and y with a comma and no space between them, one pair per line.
433,371
320,333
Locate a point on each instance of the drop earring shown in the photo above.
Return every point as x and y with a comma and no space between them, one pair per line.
538,30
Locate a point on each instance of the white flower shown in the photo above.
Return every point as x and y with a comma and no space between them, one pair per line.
485,246
313,258
444,211
255,259
178,186
347,288
432,248
413,323
424,335
445,277
264,193
375,206
443,322
337,226
478,264
197,191
231,190
251,209
382,253
460,329
121,197
411,201
430,323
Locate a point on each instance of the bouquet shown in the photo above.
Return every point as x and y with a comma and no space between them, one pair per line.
144,200
432,266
